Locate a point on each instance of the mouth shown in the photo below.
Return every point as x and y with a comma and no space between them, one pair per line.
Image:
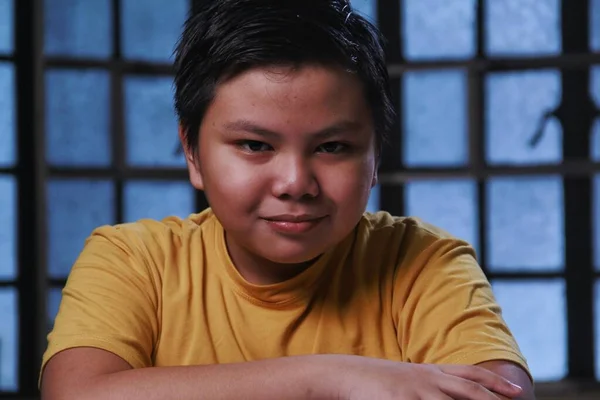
294,218
293,224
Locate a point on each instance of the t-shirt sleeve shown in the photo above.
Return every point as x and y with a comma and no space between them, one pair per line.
110,300
446,312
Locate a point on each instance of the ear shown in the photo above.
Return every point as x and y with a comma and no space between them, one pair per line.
193,165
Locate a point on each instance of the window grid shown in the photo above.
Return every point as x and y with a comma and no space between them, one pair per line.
119,172
579,267
116,111
576,173
29,283
10,170
33,281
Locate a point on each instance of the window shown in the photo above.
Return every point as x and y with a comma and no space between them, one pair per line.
9,180
497,141
495,145
105,97
110,128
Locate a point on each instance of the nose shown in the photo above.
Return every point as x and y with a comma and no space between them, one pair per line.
294,179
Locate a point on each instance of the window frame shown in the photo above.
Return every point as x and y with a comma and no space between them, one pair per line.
577,169
29,172
32,171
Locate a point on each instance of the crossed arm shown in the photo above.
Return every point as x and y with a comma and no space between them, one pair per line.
90,374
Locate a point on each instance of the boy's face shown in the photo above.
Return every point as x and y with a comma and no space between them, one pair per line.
287,160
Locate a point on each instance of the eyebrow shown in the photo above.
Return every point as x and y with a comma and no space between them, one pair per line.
251,127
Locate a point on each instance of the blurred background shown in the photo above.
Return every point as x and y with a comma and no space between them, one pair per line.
497,141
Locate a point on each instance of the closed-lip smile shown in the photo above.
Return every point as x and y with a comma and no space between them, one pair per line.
293,218
293,223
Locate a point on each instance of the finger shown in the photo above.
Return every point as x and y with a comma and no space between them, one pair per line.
436,396
464,389
484,377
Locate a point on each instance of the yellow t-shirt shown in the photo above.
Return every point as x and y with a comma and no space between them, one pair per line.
166,293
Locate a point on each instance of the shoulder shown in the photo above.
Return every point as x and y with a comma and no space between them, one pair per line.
145,244
411,247
382,220
150,233
409,233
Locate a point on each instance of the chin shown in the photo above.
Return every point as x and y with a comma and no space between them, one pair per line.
292,259
292,255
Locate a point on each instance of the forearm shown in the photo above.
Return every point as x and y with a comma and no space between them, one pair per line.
301,378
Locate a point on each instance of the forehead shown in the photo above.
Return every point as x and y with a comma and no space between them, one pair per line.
299,95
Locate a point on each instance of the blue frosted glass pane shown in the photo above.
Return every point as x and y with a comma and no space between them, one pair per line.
525,222
515,106
594,15
595,89
595,93
75,209
54,298
530,309
435,113
6,26
81,28
9,340
522,27
596,221
448,204
151,28
78,118
7,115
150,122
435,29
158,200
367,8
374,203
595,141
8,227
595,84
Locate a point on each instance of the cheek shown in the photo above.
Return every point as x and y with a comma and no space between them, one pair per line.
230,179
349,187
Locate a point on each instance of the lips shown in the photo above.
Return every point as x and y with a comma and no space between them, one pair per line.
293,224
293,218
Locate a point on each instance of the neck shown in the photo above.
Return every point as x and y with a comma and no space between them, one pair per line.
259,270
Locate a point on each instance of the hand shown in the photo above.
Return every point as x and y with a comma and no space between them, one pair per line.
368,378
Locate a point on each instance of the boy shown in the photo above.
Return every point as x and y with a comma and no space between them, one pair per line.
283,289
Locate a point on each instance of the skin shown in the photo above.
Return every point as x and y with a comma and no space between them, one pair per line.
514,374
293,142
268,148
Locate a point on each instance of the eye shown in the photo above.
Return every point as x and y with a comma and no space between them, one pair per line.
332,147
254,146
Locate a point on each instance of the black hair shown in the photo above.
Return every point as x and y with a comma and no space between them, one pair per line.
227,37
